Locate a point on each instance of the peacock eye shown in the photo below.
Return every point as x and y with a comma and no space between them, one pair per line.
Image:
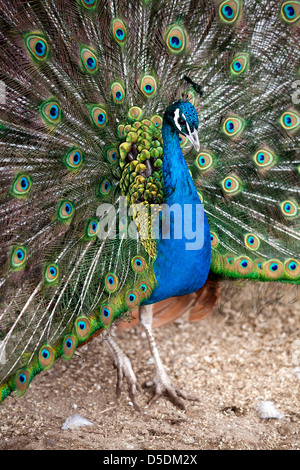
181,121
118,93
89,4
21,186
106,315
111,282
51,273
92,228
229,10
176,39
65,211
82,327
290,11
89,60
119,31
74,159
148,86
37,46
18,257
290,120
51,112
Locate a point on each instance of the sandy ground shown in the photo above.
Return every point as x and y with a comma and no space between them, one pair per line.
247,352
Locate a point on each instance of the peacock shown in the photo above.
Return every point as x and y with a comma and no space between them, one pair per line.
149,150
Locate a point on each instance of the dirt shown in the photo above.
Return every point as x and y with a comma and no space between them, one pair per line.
245,353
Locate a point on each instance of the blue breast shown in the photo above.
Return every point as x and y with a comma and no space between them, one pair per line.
182,264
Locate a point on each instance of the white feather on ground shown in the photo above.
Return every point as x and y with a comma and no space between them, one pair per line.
75,421
267,410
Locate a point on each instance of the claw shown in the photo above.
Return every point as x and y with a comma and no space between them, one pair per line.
124,370
132,395
174,394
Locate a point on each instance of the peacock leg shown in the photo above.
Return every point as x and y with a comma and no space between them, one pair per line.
124,369
161,381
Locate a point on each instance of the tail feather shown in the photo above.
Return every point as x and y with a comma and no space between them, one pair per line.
61,63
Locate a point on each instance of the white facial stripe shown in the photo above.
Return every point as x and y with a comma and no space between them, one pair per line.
188,128
187,124
176,117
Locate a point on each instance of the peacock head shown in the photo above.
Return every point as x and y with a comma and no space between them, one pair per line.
183,119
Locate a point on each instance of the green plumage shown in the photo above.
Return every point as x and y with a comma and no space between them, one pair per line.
87,84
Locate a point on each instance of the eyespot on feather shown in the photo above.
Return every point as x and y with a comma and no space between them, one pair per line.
123,224
92,228
37,46
257,265
21,185
135,113
292,268
264,159
51,273
99,116
148,86
51,112
119,31
232,126
243,265
229,262
65,211
289,208
89,4
112,155
144,289
111,282
106,315
290,120
229,11
191,96
273,269
74,159
176,39
239,64
183,140
132,299
22,381
252,242
104,187
290,11
89,61
18,257
69,346
82,327
214,239
204,161
138,264
157,121
118,93
121,131
231,185
46,357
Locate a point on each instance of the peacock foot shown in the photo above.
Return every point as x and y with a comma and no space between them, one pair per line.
124,370
161,382
164,387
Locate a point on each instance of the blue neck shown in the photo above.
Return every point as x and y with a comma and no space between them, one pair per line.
179,271
179,186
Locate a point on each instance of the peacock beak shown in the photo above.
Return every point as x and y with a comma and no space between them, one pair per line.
193,138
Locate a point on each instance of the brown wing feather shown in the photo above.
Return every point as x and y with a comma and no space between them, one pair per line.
198,305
